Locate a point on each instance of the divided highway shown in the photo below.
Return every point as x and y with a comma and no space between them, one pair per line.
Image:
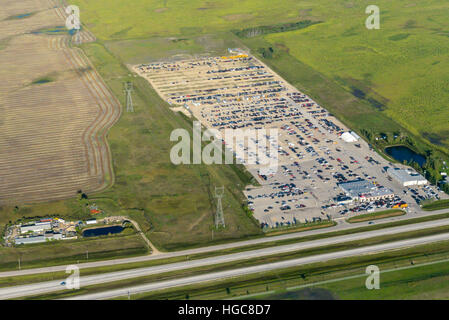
259,268
52,286
296,235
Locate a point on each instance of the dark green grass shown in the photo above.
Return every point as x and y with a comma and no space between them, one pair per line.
436,205
376,215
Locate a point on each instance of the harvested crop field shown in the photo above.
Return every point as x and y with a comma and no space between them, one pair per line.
55,108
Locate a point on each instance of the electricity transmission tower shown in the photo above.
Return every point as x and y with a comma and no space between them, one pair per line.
77,37
219,217
129,101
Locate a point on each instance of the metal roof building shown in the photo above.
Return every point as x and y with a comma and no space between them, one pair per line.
407,177
364,190
34,239
35,227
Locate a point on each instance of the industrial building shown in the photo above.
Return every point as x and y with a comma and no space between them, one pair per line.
364,191
32,239
47,236
406,177
35,227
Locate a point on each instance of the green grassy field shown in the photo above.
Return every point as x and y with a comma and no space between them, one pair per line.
403,65
376,215
415,282
116,19
436,205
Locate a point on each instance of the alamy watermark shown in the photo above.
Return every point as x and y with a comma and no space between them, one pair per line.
73,19
373,20
373,280
73,280
259,147
73,22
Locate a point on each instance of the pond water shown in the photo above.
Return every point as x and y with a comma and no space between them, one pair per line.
401,153
102,231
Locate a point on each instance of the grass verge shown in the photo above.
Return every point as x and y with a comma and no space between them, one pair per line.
246,263
376,215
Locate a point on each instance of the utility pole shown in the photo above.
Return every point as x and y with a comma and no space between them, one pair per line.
219,217
128,89
77,37
19,263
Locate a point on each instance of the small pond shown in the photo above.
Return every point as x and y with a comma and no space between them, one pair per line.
102,231
401,153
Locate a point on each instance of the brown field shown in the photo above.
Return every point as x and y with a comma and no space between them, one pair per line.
55,108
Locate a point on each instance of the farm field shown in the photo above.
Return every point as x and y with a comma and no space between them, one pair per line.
174,205
55,111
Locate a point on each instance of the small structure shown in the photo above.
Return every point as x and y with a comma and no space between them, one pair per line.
407,177
91,221
343,200
350,136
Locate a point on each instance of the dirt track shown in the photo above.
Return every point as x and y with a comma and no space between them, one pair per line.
56,109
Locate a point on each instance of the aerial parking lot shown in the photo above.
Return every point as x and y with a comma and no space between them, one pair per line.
324,169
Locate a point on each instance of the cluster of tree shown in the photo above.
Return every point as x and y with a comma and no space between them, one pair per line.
261,30
267,53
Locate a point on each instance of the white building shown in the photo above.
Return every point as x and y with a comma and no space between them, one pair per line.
34,239
350,136
35,227
407,177
91,221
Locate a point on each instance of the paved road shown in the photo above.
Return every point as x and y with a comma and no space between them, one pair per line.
163,255
51,286
259,268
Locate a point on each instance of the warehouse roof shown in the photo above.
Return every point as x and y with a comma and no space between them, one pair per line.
405,175
364,188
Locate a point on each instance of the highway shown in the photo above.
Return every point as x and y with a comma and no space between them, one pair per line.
296,235
259,268
52,286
